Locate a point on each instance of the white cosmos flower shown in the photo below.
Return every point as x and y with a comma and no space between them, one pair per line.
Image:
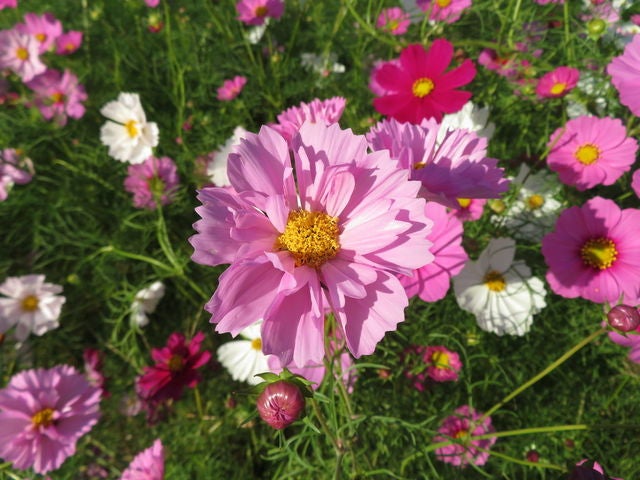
217,166
321,64
146,301
470,117
128,135
32,305
499,291
244,358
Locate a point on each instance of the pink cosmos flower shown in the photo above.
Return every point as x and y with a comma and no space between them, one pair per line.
43,413
93,370
593,252
152,3
69,42
590,151
432,281
456,167
417,86
44,28
635,183
393,20
256,12
230,89
58,95
504,66
431,362
307,236
448,11
152,182
625,75
14,168
176,367
30,304
147,465
19,53
8,4
469,209
631,341
557,83
327,112
464,423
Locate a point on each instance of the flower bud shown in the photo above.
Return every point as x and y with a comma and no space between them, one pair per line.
280,404
624,318
596,27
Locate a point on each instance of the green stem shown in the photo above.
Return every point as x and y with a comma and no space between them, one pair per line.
567,34
196,393
135,256
325,427
514,19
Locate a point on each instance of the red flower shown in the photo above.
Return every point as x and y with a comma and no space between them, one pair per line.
175,368
416,87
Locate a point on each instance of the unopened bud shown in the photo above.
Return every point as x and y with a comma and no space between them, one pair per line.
624,318
280,404
596,27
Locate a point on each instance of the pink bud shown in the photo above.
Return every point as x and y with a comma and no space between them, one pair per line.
280,404
624,318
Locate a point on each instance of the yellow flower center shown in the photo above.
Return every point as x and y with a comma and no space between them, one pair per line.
312,238
422,87
256,344
443,3
535,201
599,253
261,11
176,362
57,97
132,129
440,360
587,154
494,281
461,434
393,25
419,165
41,37
30,303
69,47
464,202
558,88
22,53
43,418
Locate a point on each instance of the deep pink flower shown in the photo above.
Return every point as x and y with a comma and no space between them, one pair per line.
464,423
594,252
14,168
8,4
456,167
152,3
432,281
631,341
19,53
147,465
448,11
255,12
431,362
43,413
230,89
176,367
417,86
635,182
590,151
280,404
625,75
307,237
155,179
469,209
557,83
69,42
393,20
44,28
327,112
58,95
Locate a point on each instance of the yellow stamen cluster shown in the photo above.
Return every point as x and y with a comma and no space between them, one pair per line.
535,201
495,281
443,3
311,238
22,53
440,359
599,253
464,202
422,87
132,128
261,11
587,154
41,37
256,344
43,418
57,97
30,303
558,88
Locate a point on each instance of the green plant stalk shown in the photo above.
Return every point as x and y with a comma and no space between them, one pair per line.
514,19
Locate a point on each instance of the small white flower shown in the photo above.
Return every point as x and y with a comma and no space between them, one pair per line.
145,302
254,34
322,65
499,291
244,358
128,135
470,117
32,306
217,165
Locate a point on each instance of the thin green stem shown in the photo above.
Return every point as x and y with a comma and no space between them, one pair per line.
324,426
200,410
514,19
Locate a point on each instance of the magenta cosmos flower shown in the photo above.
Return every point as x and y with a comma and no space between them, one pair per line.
44,28
69,42
393,20
304,230
19,53
437,363
456,167
459,427
625,75
327,112
590,151
58,95
635,183
152,182
594,252
432,281
230,89
176,367
417,86
147,465
43,413
14,168
468,209
448,11
8,4
557,83
256,12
